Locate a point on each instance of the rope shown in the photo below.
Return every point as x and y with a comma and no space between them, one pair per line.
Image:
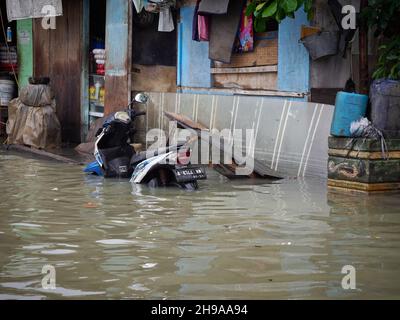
371,132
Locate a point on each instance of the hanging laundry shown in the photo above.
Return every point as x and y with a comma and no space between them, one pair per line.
204,26
139,5
214,7
245,37
195,27
201,24
223,32
166,21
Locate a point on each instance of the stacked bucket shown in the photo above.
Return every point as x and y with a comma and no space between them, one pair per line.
100,58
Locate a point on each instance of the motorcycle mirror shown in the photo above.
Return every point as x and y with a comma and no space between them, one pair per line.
141,98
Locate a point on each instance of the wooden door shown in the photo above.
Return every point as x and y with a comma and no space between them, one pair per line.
59,54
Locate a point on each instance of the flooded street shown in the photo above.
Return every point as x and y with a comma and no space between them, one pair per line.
229,240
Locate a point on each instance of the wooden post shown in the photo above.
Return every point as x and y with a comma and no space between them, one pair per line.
363,46
25,50
85,69
118,64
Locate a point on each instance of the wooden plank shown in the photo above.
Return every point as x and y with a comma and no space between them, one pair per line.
154,78
58,55
265,53
188,123
247,81
236,91
85,35
118,66
273,68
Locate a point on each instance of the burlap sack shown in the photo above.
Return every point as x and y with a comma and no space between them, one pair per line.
37,95
33,126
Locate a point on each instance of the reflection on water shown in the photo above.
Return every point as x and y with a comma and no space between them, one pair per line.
111,239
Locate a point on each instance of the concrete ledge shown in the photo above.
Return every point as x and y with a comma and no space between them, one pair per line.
73,159
362,187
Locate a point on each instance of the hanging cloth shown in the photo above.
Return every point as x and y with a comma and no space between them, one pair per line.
223,32
139,5
166,21
195,26
204,27
201,25
23,9
214,7
245,37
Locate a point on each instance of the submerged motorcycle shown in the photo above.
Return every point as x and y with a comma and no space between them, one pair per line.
116,158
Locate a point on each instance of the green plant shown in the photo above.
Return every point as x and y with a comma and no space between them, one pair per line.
382,16
278,10
389,60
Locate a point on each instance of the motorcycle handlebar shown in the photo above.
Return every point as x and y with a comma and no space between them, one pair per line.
133,114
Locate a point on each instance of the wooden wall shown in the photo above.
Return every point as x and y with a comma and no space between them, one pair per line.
154,78
58,54
255,70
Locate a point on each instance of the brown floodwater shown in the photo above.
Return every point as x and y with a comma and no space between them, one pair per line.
229,240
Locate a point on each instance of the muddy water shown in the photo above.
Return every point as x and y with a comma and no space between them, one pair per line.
109,239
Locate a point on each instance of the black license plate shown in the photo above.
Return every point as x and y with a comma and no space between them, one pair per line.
188,174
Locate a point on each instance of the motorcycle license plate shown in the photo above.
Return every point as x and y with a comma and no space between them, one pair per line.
188,174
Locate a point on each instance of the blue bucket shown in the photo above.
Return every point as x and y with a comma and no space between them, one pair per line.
349,107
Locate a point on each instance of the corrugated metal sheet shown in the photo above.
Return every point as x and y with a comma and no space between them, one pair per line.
290,136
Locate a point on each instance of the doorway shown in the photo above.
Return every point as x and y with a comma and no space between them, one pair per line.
97,37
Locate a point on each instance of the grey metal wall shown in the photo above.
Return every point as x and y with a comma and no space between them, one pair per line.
291,136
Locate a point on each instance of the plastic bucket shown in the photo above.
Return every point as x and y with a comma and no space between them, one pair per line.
7,90
322,44
349,107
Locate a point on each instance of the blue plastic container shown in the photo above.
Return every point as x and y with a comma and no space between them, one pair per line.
349,107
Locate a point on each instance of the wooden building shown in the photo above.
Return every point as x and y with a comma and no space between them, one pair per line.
143,59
